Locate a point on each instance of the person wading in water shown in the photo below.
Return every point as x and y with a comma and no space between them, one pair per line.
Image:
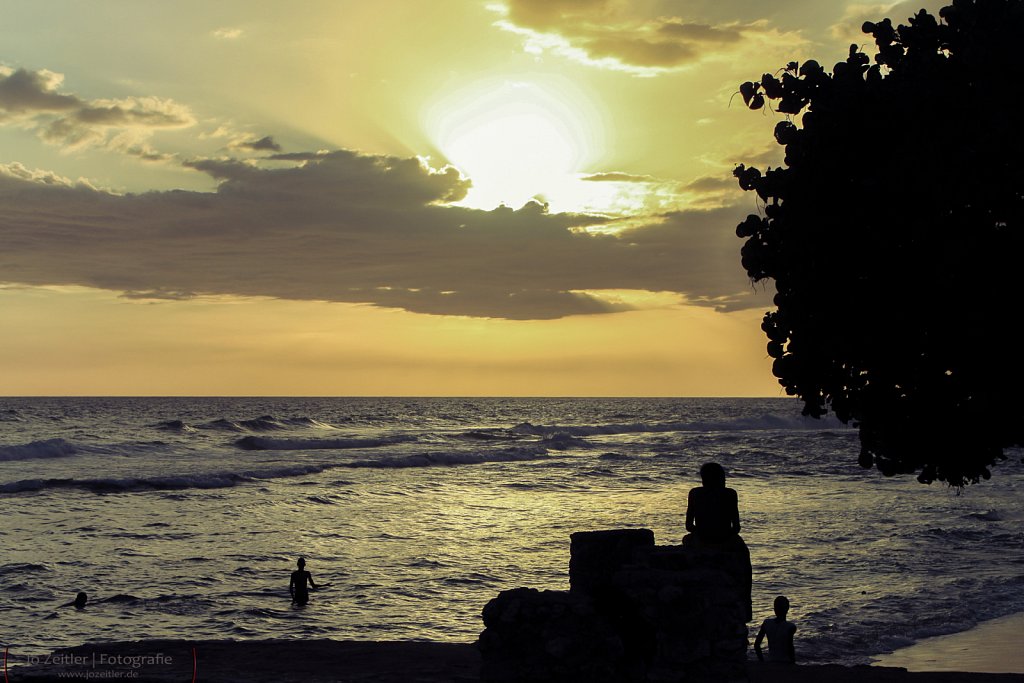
297,586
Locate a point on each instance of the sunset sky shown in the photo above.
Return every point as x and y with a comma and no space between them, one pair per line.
458,197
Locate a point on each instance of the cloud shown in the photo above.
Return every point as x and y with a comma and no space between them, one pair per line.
23,91
711,184
227,33
239,140
263,144
605,33
619,177
20,172
848,28
159,295
31,98
357,228
144,152
767,154
662,195
98,122
299,156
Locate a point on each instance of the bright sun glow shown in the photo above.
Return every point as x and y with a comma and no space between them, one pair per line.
519,140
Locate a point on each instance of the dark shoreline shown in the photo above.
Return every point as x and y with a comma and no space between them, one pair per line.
282,661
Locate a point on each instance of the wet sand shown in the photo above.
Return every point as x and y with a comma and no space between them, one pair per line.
283,661
992,646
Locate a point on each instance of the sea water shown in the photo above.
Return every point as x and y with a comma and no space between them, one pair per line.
183,517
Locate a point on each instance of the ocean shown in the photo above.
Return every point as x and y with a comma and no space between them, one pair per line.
183,517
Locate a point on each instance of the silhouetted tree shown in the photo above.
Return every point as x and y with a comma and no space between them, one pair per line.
895,237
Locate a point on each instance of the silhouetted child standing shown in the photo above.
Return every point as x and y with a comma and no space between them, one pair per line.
780,635
297,586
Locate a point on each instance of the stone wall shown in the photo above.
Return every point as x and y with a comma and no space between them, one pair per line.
635,611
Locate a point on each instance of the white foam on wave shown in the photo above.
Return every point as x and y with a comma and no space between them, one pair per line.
175,426
762,422
264,423
48,448
306,422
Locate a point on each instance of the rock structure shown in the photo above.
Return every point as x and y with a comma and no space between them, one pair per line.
635,612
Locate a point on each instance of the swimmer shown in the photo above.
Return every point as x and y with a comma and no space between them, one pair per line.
78,602
297,586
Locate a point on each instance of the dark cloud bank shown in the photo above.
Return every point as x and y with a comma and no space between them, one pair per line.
354,228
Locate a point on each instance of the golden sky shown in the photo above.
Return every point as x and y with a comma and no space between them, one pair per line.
460,197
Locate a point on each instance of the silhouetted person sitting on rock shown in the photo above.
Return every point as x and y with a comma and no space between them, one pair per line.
713,523
297,586
712,510
78,602
780,635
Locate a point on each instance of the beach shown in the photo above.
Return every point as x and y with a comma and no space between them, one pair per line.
992,646
312,661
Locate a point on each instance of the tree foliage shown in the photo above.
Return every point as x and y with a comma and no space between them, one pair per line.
895,237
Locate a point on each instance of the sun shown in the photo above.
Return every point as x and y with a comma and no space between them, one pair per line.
517,140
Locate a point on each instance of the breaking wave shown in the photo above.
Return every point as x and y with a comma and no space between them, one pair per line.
262,443
49,448
211,480
265,423
175,426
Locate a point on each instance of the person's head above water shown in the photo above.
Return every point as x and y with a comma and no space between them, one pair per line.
301,562
80,600
781,606
712,475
